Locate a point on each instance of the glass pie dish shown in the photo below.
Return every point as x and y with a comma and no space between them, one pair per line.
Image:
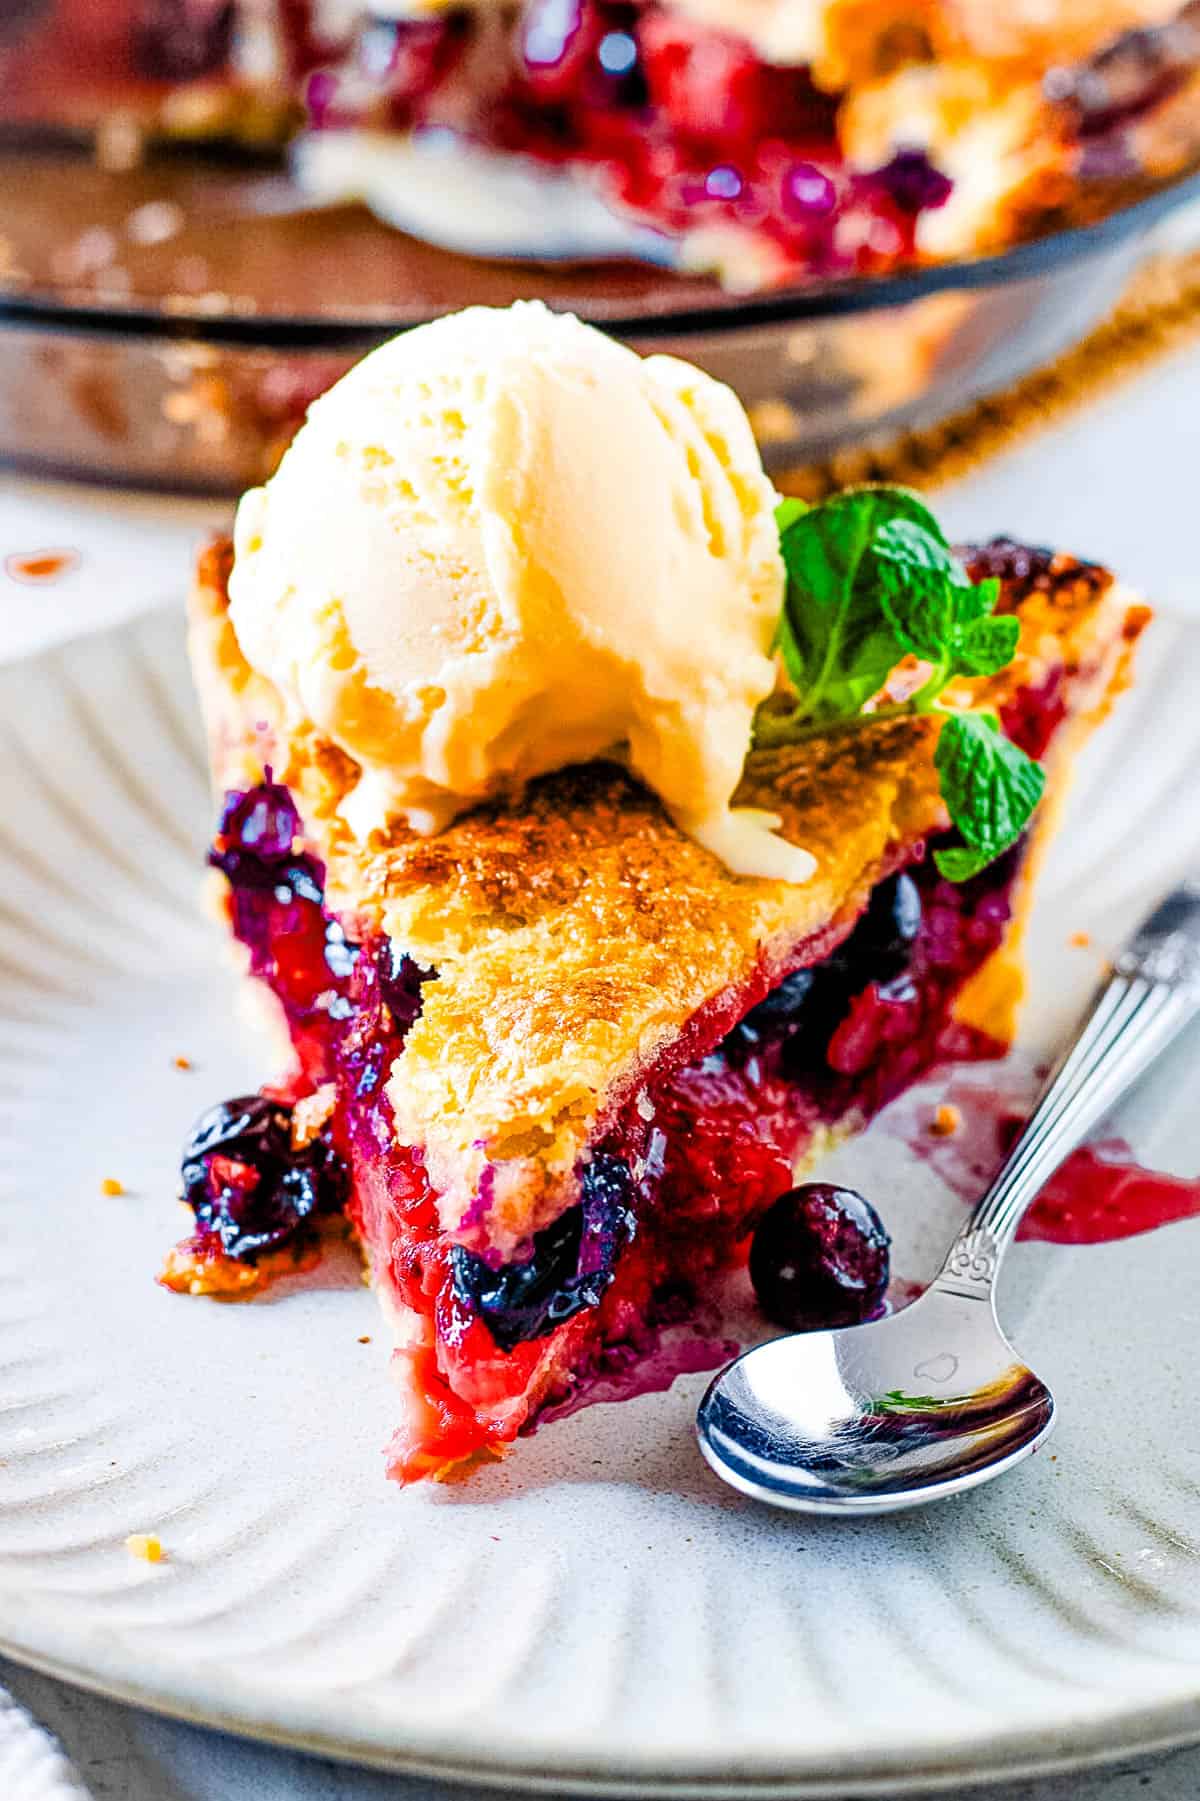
167,325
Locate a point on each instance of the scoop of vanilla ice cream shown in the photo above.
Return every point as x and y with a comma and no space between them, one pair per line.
504,543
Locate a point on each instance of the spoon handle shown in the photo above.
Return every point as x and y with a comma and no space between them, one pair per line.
1153,991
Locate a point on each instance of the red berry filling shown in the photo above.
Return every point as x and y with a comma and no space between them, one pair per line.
677,1177
682,125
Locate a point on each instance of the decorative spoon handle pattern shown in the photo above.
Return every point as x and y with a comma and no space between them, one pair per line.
1153,991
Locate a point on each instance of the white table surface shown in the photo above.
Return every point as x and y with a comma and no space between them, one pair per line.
1119,483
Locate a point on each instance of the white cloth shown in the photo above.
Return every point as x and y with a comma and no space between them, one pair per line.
32,1767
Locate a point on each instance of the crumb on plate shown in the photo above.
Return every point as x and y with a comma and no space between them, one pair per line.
945,1121
146,1546
1080,941
111,1186
181,1062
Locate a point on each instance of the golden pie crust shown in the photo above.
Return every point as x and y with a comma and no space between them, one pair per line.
577,931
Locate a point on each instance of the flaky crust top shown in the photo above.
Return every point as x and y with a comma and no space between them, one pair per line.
577,932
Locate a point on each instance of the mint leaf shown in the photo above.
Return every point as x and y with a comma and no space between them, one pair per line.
987,645
918,580
844,645
990,788
978,599
959,862
938,613
870,580
789,650
789,509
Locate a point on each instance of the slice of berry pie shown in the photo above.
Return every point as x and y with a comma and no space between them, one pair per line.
552,1057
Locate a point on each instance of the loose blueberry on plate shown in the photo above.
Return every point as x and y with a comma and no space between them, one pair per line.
248,1185
820,1257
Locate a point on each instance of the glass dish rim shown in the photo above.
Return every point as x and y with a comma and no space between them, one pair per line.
1038,256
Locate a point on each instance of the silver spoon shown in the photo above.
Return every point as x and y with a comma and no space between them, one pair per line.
934,1400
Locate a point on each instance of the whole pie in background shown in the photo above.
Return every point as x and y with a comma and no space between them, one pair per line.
761,140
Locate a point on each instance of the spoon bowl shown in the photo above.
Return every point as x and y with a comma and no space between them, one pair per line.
934,1400
907,1409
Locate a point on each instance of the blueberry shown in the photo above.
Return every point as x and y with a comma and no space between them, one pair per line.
880,945
911,182
247,1185
785,1003
819,1257
400,983
251,1121
606,1190
569,1267
179,40
879,949
254,845
519,1301
777,1016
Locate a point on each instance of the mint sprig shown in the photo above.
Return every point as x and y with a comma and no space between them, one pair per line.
837,643
870,581
936,611
990,788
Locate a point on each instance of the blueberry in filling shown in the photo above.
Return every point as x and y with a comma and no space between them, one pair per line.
254,846
778,1016
881,943
250,1188
802,1011
400,984
570,1267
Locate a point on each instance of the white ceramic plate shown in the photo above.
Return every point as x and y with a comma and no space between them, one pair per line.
597,1610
